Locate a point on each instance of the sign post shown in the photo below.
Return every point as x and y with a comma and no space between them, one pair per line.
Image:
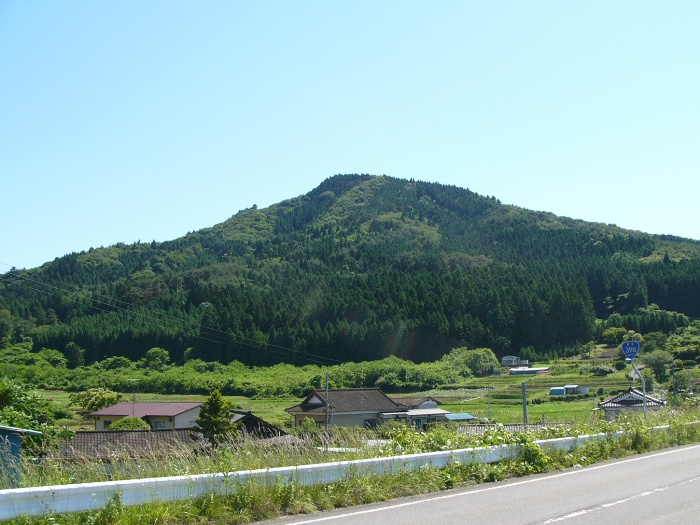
631,349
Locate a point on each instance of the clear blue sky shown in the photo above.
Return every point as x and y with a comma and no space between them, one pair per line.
126,121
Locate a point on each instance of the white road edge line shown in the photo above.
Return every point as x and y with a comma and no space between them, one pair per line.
486,489
603,506
618,502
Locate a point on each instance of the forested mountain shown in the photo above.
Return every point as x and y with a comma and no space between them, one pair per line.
360,268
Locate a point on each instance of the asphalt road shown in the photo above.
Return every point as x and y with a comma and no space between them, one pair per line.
656,488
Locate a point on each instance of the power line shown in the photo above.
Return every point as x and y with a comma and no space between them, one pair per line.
102,301
258,345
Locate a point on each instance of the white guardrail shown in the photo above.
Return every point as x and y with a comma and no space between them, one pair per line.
59,499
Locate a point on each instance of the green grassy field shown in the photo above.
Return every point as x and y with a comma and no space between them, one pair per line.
498,398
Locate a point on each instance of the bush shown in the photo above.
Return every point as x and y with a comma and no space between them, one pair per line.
130,423
602,370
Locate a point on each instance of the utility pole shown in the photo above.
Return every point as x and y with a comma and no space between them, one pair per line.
631,349
644,386
488,389
525,414
133,396
673,372
327,403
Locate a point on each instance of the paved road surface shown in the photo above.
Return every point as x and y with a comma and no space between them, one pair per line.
657,488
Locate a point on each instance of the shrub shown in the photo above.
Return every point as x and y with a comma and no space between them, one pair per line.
130,423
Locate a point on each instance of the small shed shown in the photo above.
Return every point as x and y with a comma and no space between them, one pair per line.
10,450
568,390
557,391
575,389
514,360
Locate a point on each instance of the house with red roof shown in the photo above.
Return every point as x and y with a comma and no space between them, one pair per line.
158,415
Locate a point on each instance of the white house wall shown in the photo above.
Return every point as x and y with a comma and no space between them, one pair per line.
339,420
186,419
159,422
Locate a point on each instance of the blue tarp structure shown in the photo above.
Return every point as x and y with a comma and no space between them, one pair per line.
463,416
10,449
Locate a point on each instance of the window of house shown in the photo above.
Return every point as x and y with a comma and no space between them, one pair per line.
159,424
106,423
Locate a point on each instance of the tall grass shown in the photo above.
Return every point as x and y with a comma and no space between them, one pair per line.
250,502
53,466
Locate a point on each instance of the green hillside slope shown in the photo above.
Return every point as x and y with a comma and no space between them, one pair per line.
359,268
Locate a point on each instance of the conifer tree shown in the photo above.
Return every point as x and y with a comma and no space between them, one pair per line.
214,419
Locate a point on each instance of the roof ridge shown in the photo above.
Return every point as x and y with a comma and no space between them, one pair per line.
157,403
348,388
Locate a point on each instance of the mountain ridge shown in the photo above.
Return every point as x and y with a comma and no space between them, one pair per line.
360,267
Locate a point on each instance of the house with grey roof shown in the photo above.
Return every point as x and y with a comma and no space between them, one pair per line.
254,426
633,400
417,402
359,407
158,415
106,445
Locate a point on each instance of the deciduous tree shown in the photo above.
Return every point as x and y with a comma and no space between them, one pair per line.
94,399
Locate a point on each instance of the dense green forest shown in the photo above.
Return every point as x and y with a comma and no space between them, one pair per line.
360,268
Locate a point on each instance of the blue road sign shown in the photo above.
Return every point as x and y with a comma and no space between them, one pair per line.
630,349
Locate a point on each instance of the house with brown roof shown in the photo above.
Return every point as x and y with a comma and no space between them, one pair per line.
633,399
158,415
359,407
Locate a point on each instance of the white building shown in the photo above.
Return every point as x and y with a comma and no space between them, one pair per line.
157,415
